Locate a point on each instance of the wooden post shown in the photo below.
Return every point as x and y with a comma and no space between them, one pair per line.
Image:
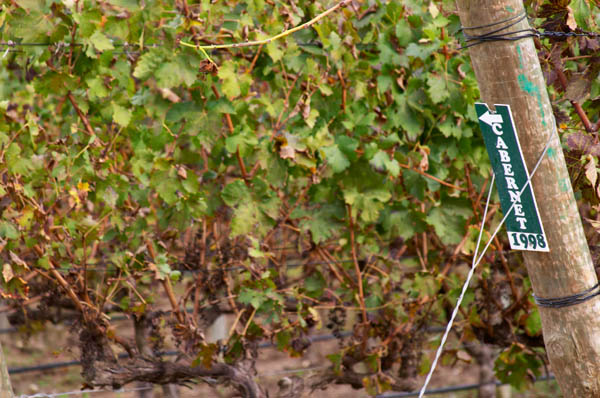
508,72
5,387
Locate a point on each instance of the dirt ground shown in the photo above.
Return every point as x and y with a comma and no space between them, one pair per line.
54,345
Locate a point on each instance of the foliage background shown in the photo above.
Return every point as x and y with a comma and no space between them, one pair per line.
135,168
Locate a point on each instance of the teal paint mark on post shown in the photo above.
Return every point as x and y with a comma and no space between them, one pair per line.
509,9
551,152
533,90
520,56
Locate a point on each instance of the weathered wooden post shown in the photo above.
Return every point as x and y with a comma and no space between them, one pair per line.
5,386
508,72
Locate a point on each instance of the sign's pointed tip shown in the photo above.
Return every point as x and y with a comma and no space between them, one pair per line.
490,118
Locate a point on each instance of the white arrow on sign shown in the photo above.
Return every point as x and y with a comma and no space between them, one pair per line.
490,118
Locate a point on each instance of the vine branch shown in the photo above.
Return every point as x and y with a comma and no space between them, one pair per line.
270,39
81,115
424,174
589,127
361,293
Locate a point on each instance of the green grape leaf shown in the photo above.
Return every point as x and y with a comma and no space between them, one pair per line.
437,88
336,159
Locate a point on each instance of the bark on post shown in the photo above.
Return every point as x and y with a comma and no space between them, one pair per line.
5,386
510,73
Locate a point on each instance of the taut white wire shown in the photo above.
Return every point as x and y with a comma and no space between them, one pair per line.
474,265
438,354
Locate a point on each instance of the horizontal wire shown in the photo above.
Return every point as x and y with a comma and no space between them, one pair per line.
11,43
79,392
515,35
441,390
461,387
263,345
104,265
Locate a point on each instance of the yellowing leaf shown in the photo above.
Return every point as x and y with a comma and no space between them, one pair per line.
591,170
316,316
274,51
7,272
433,10
83,187
25,219
100,41
74,198
230,87
121,115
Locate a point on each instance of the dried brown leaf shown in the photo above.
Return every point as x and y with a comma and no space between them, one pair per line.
584,143
571,23
17,260
181,172
287,152
578,88
168,94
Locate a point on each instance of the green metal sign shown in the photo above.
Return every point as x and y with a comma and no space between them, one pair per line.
524,226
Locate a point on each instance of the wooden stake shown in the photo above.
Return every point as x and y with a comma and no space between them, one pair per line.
509,72
5,386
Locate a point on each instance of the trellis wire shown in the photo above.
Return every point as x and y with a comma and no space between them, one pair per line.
441,390
476,262
449,389
65,364
263,345
80,392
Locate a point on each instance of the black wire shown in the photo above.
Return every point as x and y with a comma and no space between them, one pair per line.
492,36
443,390
265,344
475,39
11,43
446,390
105,265
514,35
520,16
567,301
47,366
58,365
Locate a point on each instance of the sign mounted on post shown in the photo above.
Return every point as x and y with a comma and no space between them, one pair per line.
524,226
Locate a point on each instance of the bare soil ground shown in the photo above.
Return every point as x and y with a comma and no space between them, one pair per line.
56,344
